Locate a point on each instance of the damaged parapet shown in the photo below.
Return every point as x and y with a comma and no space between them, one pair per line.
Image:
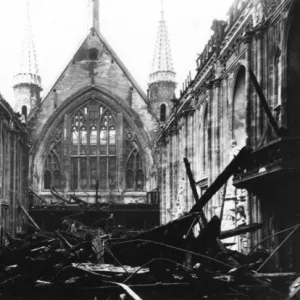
27,78
220,29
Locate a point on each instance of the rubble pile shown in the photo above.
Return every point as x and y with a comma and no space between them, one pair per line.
169,261
165,262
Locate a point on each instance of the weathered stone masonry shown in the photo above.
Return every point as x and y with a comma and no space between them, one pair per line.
219,111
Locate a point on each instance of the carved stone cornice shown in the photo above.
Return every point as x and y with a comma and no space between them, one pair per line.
259,31
217,82
208,85
247,38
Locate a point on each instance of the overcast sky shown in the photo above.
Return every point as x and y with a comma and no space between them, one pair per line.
130,26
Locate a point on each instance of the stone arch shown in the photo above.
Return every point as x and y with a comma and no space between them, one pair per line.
238,107
43,144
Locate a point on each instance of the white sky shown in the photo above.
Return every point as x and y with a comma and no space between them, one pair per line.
130,26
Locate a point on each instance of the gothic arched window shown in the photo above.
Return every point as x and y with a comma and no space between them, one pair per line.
163,110
75,139
96,137
129,179
57,179
83,136
47,179
93,135
239,109
94,158
52,175
134,172
139,179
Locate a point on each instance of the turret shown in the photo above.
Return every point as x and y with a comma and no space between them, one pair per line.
27,82
162,79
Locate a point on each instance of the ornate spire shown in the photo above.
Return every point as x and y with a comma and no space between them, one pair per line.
29,71
28,74
162,65
29,62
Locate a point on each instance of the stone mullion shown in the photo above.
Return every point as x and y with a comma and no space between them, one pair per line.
120,153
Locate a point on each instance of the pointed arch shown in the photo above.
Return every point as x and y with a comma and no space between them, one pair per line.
239,108
163,112
88,109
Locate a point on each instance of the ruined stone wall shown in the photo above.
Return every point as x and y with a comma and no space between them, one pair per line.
14,152
219,111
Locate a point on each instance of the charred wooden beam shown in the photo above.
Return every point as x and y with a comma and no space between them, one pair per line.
29,217
38,196
240,161
194,189
279,131
240,230
57,195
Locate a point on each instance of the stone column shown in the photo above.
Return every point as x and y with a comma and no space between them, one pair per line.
259,33
163,180
66,169
209,140
176,164
168,179
247,40
120,153
215,138
186,154
14,187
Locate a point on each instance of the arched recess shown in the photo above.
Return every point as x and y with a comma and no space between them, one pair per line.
291,51
86,135
239,108
163,112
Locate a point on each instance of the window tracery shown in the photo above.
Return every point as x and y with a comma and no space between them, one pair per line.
93,139
52,170
134,170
